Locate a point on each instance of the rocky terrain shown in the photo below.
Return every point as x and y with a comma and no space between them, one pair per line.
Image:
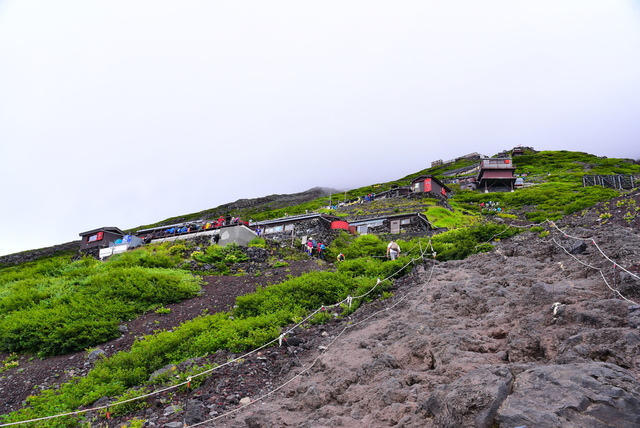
540,332
527,335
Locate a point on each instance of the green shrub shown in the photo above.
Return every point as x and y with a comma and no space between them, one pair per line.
69,315
322,317
460,243
258,242
297,295
228,254
152,256
118,409
364,245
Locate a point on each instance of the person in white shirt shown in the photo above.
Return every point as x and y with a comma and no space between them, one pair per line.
393,250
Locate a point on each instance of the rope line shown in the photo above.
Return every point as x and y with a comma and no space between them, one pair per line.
597,247
600,270
322,352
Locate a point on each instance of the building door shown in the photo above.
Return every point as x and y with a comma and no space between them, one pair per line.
395,226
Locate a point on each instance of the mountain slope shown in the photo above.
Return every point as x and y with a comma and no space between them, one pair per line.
487,320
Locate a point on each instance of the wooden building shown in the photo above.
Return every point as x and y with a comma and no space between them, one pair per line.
321,227
100,238
429,184
496,175
414,223
517,151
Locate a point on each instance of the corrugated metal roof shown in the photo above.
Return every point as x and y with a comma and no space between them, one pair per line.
294,218
102,229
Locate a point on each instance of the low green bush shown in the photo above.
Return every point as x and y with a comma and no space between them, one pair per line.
165,255
258,242
228,255
50,316
296,295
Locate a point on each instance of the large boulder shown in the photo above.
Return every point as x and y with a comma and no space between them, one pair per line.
472,400
572,395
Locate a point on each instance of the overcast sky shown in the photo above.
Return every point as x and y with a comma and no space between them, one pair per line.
124,113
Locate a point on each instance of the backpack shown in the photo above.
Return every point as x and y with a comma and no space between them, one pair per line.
395,247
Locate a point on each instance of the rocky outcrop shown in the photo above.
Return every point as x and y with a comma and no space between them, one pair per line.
572,395
31,255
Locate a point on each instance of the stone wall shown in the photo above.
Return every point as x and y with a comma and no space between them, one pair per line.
317,228
417,227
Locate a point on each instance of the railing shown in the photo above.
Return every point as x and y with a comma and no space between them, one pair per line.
613,181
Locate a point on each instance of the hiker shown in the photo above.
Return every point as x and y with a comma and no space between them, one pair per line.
321,248
393,250
309,247
340,257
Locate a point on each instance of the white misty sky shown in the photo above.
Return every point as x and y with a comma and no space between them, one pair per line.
124,113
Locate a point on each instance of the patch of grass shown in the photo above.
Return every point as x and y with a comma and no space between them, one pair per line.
442,217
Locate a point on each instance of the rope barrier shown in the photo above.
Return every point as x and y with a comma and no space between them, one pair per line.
327,347
349,299
595,268
597,247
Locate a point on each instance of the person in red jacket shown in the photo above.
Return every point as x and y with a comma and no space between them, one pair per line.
321,249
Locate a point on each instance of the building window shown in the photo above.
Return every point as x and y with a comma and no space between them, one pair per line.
97,237
288,227
405,221
363,229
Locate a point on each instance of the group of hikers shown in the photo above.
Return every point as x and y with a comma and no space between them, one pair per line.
313,247
359,200
490,206
197,227
224,221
